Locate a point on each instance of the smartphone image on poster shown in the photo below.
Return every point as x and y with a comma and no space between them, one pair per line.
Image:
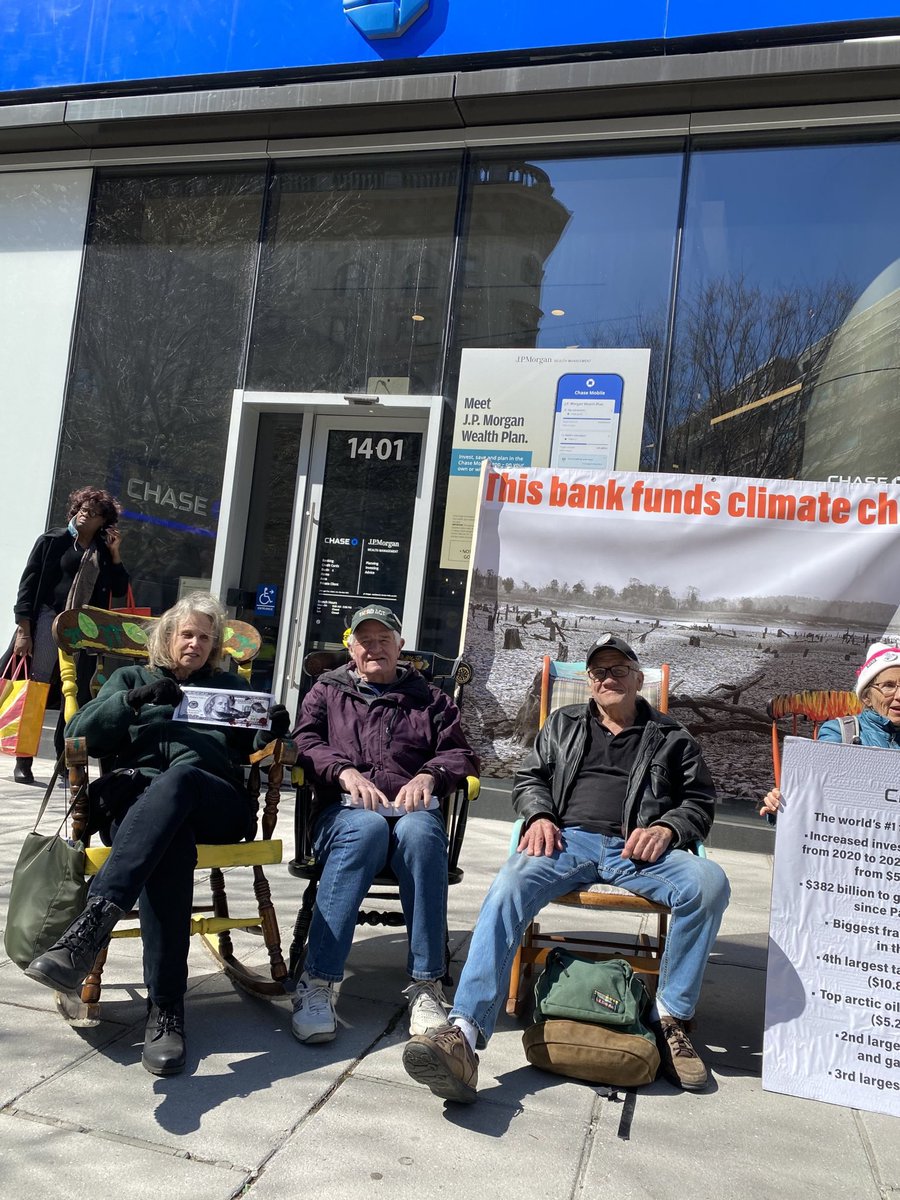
586,421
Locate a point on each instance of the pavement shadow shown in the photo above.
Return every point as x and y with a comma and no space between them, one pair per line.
255,1037
497,1108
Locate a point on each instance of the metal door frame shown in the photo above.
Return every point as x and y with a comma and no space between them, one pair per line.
238,480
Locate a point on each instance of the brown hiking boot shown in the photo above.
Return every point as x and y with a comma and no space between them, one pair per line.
444,1062
679,1060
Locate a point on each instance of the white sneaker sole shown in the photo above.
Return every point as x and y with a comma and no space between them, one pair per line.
322,1035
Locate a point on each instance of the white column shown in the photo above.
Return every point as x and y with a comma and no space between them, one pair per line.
42,223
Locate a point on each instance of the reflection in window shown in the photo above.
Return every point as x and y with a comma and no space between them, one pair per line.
269,526
158,345
590,237
787,316
370,246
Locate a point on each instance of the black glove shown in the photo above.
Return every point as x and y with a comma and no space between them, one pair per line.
280,720
163,691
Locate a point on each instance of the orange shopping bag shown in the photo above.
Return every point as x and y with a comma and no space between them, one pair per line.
129,608
22,704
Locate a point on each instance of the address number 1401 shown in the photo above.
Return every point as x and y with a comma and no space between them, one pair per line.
384,448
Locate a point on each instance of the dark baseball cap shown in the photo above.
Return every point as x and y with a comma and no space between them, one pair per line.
609,641
375,612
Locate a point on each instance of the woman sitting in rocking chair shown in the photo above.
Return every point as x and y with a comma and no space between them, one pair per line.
187,789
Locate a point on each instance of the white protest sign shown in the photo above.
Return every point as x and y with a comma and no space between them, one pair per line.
833,982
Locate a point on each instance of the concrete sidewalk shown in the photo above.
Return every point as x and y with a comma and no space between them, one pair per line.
260,1115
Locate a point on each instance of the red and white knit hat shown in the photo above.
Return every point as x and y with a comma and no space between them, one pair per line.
879,657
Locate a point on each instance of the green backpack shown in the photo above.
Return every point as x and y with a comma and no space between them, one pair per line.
588,1022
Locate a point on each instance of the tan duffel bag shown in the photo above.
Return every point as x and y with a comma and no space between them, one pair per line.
597,1053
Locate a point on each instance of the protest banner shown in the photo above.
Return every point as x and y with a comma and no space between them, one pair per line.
833,979
745,587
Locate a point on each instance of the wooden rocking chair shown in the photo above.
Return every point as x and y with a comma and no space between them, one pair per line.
101,632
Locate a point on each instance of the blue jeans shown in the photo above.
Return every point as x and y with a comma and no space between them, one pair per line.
694,888
353,845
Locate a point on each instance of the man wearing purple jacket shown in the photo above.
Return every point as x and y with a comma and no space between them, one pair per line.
382,747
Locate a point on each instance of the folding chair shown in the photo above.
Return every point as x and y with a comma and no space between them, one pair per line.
567,683
451,675
101,632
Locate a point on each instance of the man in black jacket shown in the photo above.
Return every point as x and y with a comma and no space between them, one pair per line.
613,792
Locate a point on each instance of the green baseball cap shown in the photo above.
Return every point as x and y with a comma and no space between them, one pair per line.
375,612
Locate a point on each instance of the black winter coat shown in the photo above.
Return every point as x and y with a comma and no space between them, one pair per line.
669,784
43,573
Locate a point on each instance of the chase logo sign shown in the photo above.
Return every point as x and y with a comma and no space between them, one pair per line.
383,18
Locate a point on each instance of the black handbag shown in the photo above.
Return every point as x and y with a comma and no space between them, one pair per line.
48,889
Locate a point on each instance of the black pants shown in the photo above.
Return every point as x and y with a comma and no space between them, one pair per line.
154,852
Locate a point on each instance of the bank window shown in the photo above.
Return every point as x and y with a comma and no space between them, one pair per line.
571,251
787,320
157,353
370,244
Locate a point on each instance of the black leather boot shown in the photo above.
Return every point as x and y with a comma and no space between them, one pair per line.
164,1039
22,770
66,963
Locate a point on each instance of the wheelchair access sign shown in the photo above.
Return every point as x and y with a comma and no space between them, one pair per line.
266,599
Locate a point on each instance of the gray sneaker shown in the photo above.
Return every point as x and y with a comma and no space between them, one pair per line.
445,1063
313,1019
427,1010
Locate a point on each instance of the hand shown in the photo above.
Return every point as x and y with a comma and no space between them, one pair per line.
417,793
163,691
23,645
771,804
541,838
363,792
647,845
113,538
280,721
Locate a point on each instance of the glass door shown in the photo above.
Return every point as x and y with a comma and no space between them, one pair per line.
364,529
326,506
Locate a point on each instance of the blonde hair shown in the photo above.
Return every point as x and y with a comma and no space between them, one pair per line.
159,643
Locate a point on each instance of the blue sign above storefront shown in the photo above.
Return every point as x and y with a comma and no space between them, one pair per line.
44,44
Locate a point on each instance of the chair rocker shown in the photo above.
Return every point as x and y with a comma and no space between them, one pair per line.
101,632
567,683
451,675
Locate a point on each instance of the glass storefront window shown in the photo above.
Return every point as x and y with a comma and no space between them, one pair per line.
159,339
561,251
784,361
572,251
354,279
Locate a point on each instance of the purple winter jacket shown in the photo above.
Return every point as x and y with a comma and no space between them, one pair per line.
411,727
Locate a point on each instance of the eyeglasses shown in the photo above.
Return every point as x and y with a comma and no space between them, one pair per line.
888,689
90,511
598,674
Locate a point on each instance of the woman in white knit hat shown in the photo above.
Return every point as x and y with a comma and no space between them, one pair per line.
878,687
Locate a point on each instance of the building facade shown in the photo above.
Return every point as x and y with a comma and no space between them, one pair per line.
237,281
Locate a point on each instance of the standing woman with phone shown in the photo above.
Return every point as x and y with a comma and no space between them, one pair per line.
80,564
